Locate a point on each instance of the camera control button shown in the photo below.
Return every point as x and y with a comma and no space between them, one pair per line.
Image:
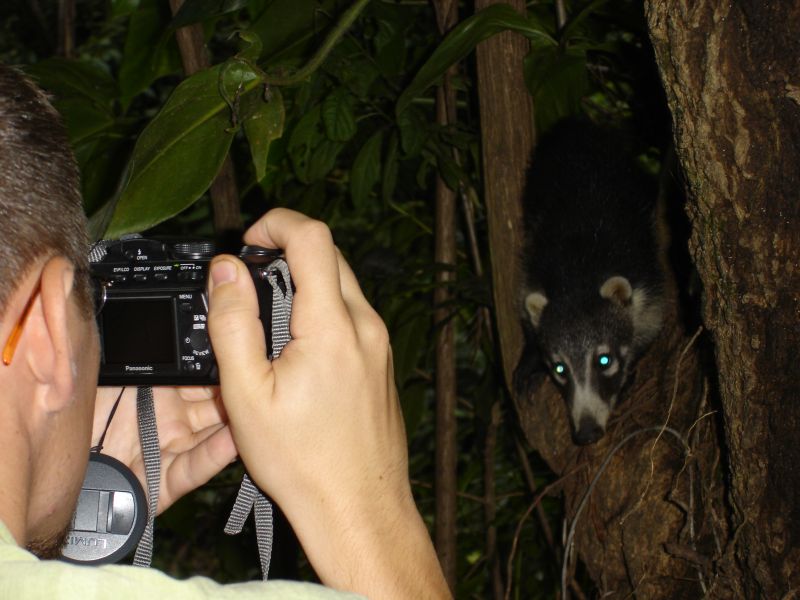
198,339
190,276
140,277
185,307
160,276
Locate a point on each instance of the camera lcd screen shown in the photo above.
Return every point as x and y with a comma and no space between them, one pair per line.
140,330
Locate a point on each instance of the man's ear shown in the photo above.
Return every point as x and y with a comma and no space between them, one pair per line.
46,344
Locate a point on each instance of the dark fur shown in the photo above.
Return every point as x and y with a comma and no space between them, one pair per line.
590,215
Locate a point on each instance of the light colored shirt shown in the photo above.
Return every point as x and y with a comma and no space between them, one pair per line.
24,577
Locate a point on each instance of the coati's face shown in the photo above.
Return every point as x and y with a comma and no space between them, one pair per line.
587,351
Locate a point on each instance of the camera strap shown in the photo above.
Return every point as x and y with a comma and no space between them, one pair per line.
250,498
151,454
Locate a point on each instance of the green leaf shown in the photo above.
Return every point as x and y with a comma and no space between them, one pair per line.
558,80
233,77
576,20
305,136
366,169
252,46
413,131
338,117
123,8
323,159
193,11
83,93
263,122
289,27
390,46
390,169
178,154
69,78
449,169
463,39
148,55
101,159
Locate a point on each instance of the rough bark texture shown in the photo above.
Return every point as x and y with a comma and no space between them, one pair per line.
652,518
507,143
732,75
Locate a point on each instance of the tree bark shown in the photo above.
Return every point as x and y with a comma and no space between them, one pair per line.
66,28
507,139
446,392
223,191
446,388
732,77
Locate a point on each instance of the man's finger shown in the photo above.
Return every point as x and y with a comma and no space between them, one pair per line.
189,470
204,413
309,250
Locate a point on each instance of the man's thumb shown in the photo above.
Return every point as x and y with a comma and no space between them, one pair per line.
237,334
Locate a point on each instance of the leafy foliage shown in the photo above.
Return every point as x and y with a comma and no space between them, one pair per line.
336,120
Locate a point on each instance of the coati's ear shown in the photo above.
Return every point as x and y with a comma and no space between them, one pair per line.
534,305
617,289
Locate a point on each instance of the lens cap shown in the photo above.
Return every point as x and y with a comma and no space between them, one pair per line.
110,516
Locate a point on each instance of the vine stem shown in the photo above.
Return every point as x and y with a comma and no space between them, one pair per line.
344,23
518,531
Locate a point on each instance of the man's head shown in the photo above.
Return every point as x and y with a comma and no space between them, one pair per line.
47,388
40,202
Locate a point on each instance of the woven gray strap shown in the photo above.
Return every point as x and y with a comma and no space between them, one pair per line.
151,452
250,498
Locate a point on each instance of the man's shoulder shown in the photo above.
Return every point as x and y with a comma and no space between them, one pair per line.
22,575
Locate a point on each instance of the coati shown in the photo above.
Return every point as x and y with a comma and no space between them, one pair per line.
593,290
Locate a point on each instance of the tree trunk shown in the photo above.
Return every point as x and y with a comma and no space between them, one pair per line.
66,28
446,390
732,76
223,191
645,504
507,140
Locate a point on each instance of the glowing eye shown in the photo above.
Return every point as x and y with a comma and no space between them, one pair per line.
559,368
604,360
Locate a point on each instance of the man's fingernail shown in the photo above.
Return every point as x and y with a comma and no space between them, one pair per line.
223,271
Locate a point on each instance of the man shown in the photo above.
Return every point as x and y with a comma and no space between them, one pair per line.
319,429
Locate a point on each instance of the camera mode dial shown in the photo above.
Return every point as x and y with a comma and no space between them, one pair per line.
194,249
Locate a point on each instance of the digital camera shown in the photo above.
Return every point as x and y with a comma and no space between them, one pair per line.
153,309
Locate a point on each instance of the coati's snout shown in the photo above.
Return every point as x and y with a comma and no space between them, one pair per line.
588,432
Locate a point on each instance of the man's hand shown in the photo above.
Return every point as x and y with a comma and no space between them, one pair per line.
195,440
320,428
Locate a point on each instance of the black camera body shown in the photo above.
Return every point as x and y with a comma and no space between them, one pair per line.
154,315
